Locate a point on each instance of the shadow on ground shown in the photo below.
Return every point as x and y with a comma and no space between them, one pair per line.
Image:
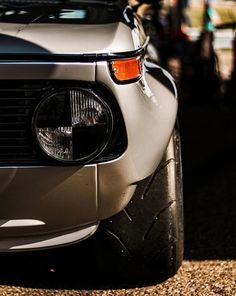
74,267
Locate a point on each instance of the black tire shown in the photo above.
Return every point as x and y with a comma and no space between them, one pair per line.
143,244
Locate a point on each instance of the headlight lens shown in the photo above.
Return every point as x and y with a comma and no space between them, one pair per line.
73,125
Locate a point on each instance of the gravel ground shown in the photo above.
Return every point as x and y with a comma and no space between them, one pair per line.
206,278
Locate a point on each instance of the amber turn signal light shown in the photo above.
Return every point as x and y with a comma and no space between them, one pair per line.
126,69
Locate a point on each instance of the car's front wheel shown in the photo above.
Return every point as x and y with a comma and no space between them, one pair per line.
144,243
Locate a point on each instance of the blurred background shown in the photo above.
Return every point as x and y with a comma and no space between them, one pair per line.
196,41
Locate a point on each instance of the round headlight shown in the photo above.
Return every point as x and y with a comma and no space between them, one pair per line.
73,125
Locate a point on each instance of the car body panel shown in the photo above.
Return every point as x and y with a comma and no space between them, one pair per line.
38,34
9,244
149,108
47,38
52,70
55,205
62,198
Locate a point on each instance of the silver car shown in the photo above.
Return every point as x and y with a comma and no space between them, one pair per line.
88,136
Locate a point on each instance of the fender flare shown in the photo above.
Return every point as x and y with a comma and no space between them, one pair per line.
162,76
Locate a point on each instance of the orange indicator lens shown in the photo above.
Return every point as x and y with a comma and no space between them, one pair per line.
126,69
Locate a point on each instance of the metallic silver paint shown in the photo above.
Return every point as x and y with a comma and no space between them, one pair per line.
47,241
67,199
47,70
61,197
55,39
20,222
149,109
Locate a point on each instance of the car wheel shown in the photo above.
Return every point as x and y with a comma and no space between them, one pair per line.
144,243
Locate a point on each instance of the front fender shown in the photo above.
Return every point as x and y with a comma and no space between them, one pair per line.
149,109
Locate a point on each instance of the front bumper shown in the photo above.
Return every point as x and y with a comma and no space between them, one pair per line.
46,206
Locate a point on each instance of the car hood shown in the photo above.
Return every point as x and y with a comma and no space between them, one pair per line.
67,38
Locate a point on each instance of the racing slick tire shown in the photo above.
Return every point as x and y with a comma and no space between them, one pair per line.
143,244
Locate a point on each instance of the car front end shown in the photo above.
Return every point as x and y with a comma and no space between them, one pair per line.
77,132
